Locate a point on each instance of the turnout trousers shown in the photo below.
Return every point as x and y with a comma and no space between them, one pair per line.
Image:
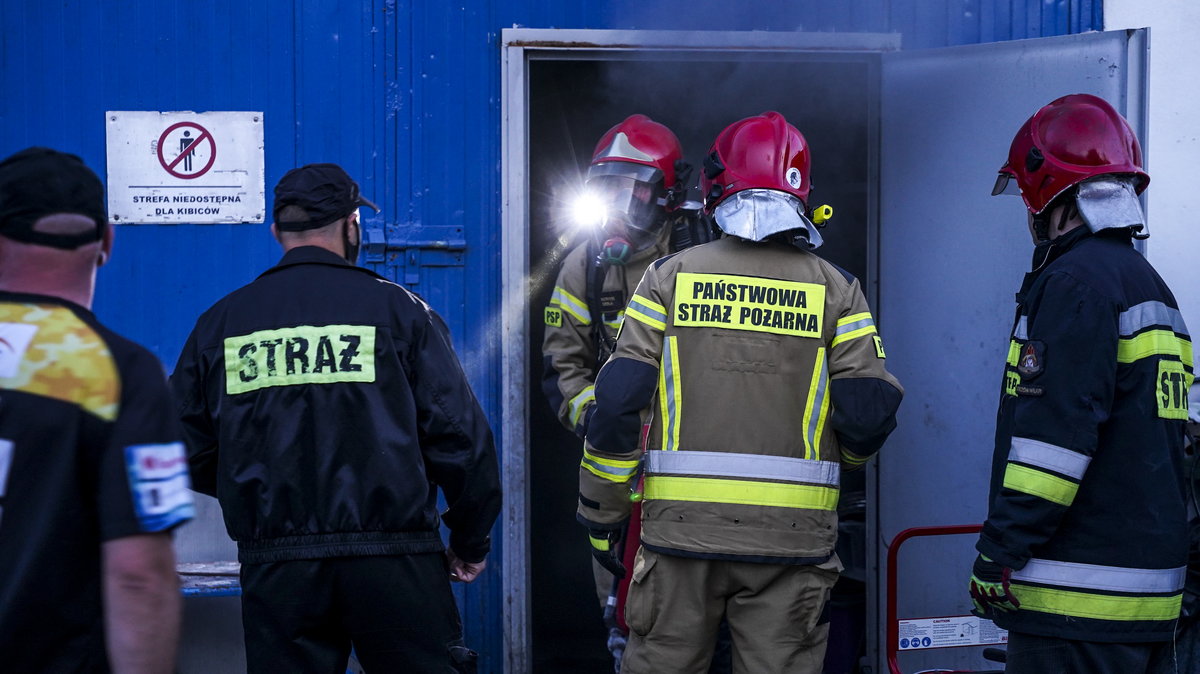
776,613
397,612
1032,654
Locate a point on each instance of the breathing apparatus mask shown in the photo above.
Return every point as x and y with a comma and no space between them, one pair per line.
624,205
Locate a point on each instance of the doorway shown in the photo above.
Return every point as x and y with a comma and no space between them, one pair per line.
572,95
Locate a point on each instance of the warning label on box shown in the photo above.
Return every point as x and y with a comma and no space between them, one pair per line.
966,630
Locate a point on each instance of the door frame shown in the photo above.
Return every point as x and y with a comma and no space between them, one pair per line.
520,46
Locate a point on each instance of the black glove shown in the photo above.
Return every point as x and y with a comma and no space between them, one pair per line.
606,550
990,589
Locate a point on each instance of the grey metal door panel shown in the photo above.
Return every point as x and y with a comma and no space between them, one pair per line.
951,257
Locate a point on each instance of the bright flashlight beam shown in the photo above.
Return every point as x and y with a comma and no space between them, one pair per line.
588,210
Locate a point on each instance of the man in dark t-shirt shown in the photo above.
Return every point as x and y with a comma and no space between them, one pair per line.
93,475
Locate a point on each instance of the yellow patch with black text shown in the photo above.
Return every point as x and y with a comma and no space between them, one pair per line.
1011,381
305,354
748,303
1173,382
878,347
553,317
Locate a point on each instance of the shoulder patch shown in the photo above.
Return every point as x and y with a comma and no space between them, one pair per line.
553,316
1032,359
158,482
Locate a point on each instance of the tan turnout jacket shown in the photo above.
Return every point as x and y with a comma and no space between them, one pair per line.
765,375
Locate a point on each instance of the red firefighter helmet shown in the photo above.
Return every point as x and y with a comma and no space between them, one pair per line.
642,141
1068,141
762,152
636,164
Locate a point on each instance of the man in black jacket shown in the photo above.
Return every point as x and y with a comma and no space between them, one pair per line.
1084,552
324,405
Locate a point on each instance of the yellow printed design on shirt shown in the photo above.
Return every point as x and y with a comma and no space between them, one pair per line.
63,359
305,354
748,303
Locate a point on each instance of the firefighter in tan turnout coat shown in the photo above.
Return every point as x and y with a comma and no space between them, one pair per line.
636,180
769,375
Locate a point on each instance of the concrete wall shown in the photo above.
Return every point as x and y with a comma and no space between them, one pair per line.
1174,139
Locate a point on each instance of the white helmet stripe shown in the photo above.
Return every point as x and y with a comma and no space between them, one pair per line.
621,148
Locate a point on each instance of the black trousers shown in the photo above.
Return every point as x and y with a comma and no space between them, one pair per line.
1030,654
397,612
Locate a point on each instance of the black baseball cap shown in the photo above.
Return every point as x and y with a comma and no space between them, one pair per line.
37,182
324,191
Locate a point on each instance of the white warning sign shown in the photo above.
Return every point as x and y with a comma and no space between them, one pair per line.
963,630
176,167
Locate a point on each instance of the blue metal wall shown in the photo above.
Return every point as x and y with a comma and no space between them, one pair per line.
405,94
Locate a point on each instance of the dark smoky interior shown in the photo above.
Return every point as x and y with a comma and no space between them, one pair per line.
832,100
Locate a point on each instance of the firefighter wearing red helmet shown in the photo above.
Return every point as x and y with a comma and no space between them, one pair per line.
1084,552
763,372
635,196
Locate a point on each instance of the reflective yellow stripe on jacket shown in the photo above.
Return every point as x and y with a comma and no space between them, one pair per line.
742,479
613,470
816,408
670,393
853,327
579,403
648,312
572,305
1087,590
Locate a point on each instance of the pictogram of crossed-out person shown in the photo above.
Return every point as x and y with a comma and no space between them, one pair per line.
184,143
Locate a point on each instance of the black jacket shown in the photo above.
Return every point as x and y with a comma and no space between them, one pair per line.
1087,494
323,405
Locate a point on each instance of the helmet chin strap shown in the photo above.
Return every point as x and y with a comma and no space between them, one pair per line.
1041,227
1041,221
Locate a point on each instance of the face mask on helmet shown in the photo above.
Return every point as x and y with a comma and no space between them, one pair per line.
629,196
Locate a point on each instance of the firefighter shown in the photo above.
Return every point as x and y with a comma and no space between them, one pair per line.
324,407
636,187
770,379
1083,555
93,477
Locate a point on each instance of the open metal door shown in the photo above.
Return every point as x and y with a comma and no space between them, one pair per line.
951,257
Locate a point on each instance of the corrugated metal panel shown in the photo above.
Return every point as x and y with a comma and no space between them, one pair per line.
405,94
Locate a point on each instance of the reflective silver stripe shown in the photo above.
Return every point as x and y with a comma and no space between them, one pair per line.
611,470
747,466
851,327
668,366
818,402
1141,316
1046,455
569,303
1022,329
635,303
1095,577
581,399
